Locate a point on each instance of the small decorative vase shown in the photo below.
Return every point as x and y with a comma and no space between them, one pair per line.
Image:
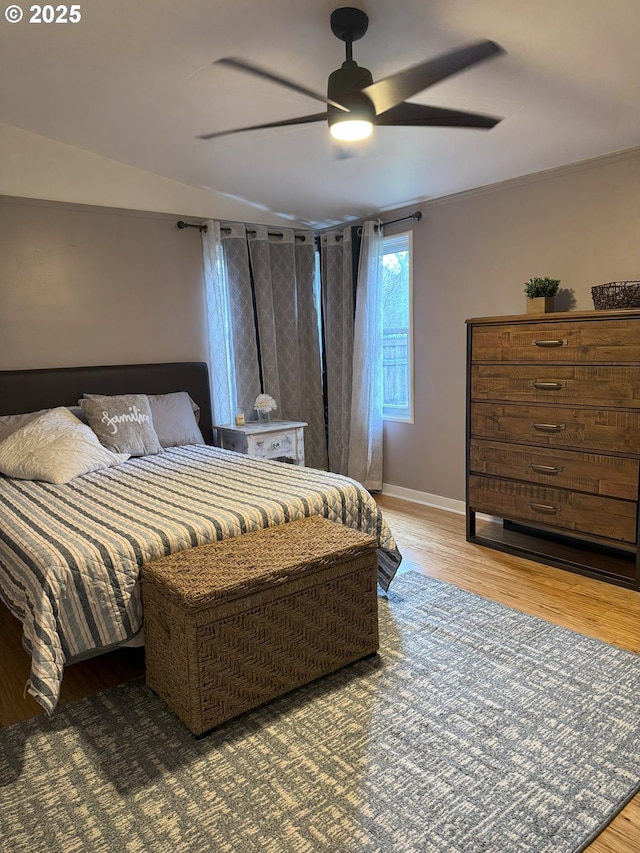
264,417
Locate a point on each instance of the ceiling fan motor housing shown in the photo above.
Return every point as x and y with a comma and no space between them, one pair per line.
345,87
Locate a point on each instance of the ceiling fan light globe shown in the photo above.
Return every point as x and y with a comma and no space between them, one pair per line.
351,130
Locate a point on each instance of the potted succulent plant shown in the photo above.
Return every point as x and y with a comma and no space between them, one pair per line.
540,293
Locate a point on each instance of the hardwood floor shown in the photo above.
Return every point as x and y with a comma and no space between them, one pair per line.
432,541
80,679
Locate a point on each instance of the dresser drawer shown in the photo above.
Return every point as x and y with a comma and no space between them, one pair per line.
572,511
558,426
611,476
560,383
578,341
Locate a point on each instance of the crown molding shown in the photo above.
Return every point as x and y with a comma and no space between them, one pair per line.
536,177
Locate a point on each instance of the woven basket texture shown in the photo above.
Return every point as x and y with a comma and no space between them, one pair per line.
231,625
616,294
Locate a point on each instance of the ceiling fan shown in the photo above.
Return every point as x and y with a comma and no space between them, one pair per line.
355,103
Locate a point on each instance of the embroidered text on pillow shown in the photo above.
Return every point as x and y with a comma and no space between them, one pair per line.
123,423
136,416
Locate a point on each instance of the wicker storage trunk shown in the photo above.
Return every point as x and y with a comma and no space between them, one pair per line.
231,625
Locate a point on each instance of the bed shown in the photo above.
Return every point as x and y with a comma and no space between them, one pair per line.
70,553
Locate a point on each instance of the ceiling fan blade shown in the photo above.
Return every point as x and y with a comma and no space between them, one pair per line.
417,115
285,123
392,90
265,74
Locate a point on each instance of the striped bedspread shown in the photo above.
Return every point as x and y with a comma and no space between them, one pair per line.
70,555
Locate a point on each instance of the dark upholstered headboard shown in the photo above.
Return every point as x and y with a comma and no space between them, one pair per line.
30,390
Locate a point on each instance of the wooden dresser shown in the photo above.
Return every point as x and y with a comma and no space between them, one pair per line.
553,439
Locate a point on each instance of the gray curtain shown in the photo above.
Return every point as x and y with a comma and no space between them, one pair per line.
264,331
265,283
283,268
353,351
337,307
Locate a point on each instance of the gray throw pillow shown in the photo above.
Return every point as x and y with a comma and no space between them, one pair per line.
174,419
123,423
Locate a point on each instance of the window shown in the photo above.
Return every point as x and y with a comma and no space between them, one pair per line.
397,323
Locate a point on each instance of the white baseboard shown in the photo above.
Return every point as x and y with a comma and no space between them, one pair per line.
423,498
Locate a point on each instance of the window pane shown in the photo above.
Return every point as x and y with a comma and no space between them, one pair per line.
396,313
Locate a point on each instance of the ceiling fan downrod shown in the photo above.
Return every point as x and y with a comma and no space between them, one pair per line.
349,25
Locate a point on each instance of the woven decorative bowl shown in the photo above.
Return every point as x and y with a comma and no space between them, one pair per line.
616,294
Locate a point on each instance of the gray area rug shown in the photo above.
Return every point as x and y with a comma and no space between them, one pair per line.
476,729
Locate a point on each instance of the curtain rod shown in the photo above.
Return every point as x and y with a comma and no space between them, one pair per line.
180,224
417,216
252,233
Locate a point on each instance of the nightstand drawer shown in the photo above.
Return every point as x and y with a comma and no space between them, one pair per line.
278,440
559,383
610,476
578,341
572,511
558,426
273,445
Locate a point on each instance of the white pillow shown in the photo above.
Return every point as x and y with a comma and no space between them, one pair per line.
55,447
11,423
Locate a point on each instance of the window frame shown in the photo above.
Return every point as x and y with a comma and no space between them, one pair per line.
405,243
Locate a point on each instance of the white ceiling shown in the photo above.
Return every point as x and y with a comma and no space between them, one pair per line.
134,81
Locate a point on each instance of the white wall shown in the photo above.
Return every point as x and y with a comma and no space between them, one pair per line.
82,285
33,166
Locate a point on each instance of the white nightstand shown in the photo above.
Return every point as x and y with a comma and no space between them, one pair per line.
280,440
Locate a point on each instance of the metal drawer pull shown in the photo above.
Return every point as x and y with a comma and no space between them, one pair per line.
544,508
549,427
561,343
546,469
548,386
